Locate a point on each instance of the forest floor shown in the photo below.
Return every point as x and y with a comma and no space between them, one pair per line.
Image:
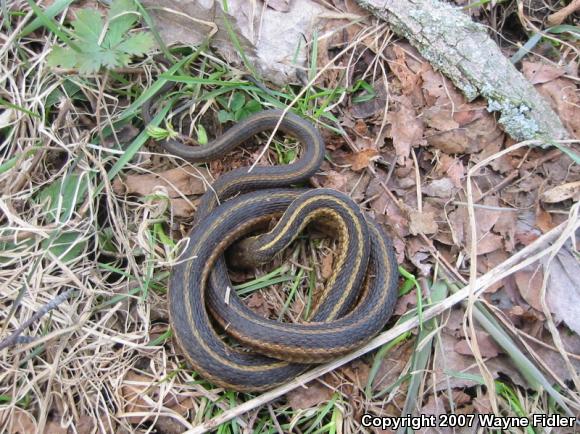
94,213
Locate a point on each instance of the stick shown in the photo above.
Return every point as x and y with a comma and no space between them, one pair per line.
516,262
462,50
15,338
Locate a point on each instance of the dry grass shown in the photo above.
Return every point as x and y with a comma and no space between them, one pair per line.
102,360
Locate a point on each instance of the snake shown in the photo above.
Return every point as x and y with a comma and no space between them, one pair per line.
225,341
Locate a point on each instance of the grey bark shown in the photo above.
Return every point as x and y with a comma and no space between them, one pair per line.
462,50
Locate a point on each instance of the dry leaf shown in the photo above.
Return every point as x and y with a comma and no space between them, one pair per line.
544,220
467,139
418,253
392,365
410,80
257,302
487,346
538,73
85,425
562,192
308,396
529,282
482,404
452,167
443,188
133,389
406,128
140,394
326,266
357,372
362,159
440,119
490,242
54,427
449,360
422,222
180,181
405,303
270,39
563,291
565,100
553,359
333,179
182,208
22,422
506,227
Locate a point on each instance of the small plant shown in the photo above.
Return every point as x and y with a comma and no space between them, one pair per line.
96,44
237,108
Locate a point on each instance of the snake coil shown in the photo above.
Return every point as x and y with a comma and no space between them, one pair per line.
355,305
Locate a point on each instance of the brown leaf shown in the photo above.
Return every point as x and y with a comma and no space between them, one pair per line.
563,97
485,219
452,167
54,427
563,291
482,404
180,181
439,118
487,346
438,90
361,128
490,242
386,209
544,220
506,227
326,266
562,192
182,208
357,372
258,304
529,282
333,179
443,188
422,222
372,107
362,159
553,359
410,80
467,139
418,253
308,396
138,390
127,133
405,303
447,359
22,422
392,365
406,128
85,424
133,389
537,72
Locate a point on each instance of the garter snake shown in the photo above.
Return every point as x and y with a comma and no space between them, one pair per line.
355,305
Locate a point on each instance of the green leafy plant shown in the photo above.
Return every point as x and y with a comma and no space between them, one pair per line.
95,43
237,108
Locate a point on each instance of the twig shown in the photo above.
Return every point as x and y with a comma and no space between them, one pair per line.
15,338
559,17
520,260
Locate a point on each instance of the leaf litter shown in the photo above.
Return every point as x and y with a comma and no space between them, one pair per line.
418,136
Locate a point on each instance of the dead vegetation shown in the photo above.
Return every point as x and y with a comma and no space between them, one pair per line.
99,213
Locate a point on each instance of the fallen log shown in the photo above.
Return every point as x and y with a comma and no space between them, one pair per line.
462,50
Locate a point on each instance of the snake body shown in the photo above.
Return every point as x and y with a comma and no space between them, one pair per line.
355,305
